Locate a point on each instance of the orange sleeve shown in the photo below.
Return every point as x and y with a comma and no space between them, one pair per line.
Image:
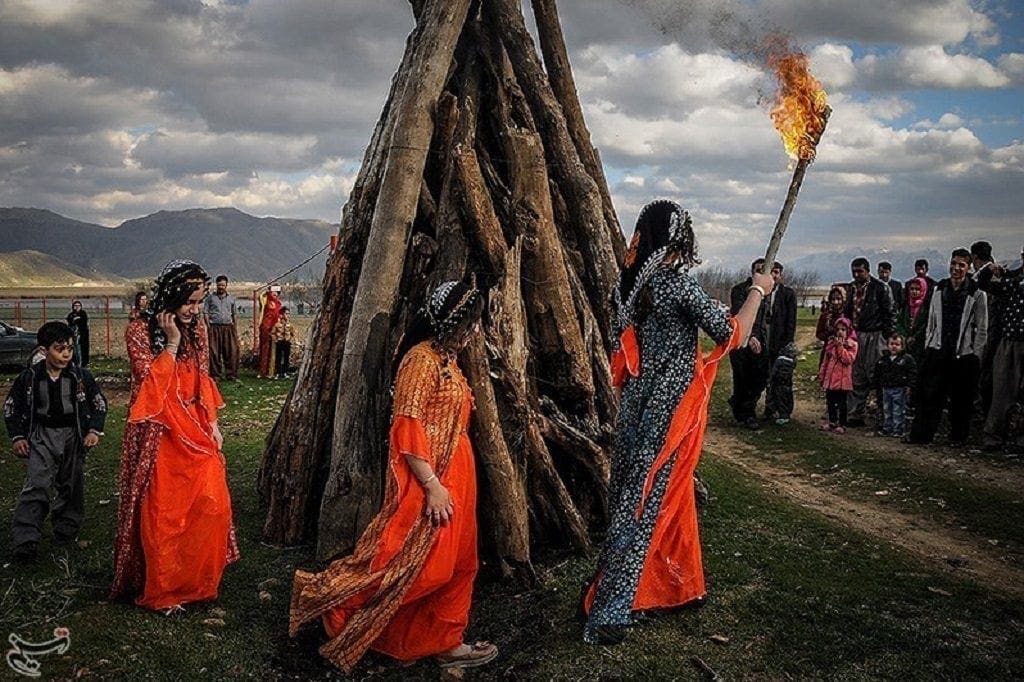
140,356
156,385
618,368
408,437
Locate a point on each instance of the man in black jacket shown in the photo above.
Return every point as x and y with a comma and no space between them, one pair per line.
749,362
54,413
869,308
779,323
885,276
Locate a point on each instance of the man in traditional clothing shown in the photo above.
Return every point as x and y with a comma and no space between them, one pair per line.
271,305
222,317
869,308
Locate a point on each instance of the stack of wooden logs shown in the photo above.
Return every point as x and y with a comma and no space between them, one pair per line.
480,166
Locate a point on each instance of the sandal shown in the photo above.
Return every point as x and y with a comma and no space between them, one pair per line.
479,653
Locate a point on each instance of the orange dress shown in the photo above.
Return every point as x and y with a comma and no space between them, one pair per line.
407,588
184,516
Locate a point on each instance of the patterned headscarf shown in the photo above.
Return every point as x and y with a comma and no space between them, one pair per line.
661,227
446,308
173,287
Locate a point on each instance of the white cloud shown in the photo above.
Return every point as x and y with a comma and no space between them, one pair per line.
910,68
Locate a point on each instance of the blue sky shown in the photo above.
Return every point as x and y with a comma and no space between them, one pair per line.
113,110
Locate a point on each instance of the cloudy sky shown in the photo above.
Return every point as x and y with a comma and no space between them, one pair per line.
116,109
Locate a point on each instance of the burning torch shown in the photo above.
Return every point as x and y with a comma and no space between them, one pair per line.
800,115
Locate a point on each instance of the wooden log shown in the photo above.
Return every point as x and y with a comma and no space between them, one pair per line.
556,63
353,489
553,513
580,190
553,324
293,471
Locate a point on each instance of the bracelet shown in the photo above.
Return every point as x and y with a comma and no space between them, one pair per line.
428,480
172,347
758,289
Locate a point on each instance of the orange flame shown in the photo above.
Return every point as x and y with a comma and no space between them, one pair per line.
800,104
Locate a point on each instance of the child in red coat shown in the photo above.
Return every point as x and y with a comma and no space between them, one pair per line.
836,373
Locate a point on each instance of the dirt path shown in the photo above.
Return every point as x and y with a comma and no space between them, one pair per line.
952,551
1006,474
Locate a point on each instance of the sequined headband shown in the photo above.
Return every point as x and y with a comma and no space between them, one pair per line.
444,325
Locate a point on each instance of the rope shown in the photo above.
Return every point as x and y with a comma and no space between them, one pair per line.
285,274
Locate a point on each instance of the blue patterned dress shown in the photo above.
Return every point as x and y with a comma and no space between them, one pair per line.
669,344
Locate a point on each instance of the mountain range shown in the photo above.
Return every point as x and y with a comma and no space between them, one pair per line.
223,240
248,248
834,266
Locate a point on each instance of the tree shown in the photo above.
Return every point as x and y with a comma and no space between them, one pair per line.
480,165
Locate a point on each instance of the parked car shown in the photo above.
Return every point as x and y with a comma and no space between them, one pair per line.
16,346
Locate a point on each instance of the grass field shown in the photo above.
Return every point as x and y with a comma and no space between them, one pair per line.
795,593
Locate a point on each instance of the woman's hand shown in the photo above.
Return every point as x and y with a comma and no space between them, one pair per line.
766,282
218,437
439,507
170,327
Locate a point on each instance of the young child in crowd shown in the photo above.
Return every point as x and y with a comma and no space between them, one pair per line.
54,413
779,397
284,336
836,373
895,374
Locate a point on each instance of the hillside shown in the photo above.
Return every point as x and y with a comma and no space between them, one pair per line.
34,269
226,240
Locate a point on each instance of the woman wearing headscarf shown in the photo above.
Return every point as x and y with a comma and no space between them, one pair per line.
912,321
174,531
271,306
406,589
651,556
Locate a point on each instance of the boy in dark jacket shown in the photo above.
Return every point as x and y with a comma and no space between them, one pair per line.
54,413
895,374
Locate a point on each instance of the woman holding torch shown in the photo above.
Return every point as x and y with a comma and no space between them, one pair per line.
651,557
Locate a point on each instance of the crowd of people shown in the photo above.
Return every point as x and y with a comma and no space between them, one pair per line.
406,590
899,356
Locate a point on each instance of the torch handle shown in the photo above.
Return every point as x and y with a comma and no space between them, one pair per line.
794,189
787,209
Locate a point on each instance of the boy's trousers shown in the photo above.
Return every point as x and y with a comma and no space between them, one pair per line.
56,460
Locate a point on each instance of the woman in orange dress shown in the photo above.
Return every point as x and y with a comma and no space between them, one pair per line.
406,590
174,534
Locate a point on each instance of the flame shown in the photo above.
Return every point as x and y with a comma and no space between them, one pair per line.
801,105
